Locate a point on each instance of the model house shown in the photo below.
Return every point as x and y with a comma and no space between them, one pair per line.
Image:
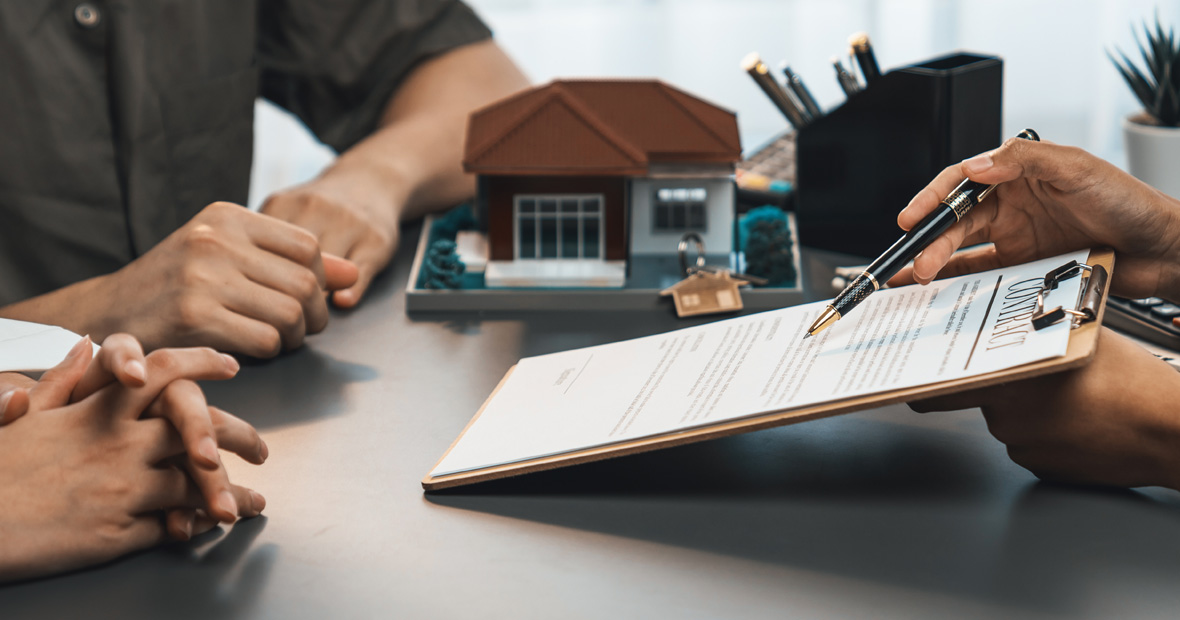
577,177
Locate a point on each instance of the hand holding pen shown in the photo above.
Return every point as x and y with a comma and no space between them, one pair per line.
950,210
1053,199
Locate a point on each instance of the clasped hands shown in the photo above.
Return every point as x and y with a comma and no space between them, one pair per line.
108,455
245,282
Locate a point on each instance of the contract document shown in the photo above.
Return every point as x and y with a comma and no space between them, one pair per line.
758,364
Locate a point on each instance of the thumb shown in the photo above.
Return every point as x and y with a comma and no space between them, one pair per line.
1020,158
56,385
339,273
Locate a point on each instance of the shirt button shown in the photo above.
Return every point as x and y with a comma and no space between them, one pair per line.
86,15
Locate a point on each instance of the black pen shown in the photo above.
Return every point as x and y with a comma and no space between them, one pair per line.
795,83
863,50
847,81
950,210
785,101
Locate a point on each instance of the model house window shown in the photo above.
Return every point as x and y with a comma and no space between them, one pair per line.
567,226
679,209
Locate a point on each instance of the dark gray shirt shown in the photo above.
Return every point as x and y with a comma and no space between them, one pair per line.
121,119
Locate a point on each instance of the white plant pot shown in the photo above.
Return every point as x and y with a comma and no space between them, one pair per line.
1153,154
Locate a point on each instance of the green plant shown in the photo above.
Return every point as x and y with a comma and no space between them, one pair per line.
1157,88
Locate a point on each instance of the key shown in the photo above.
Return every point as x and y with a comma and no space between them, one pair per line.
706,291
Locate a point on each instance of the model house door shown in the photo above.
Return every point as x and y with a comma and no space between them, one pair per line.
558,226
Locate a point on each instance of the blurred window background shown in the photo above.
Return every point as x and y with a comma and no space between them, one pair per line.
1057,77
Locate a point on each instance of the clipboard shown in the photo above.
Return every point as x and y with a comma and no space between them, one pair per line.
1086,320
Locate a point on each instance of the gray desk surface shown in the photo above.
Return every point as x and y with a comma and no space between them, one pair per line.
883,514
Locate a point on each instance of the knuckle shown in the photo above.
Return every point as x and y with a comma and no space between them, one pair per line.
201,237
305,285
222,209
164,361
190,312
268,344
304,245
289,315
120,340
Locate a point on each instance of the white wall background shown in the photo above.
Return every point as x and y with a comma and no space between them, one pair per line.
1057,77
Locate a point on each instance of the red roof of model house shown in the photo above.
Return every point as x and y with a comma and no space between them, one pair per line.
598,127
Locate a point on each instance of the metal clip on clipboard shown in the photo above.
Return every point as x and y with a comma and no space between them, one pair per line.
1089,298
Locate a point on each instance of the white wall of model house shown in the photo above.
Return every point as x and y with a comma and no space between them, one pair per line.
647,239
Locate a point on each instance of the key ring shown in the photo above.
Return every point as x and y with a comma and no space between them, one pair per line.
682,250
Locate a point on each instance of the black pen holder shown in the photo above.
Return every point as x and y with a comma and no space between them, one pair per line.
861,163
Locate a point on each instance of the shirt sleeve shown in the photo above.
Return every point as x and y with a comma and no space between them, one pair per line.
336,64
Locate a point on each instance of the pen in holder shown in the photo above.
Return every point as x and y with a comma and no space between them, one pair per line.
861,163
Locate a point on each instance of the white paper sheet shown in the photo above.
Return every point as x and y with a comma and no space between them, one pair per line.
747,366
33,347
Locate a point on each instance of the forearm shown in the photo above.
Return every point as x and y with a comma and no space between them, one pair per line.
72,307
412,164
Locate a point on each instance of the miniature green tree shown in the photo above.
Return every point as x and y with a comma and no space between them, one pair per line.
441,268
448,225
768,245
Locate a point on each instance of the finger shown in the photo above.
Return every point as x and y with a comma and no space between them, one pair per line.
183,405
928,198
167,487
1018,158
146,530
963,262
340,273
14,403
163,367
971,261
952,402
237,333
179,522
159,440
120,359
237,436
203,523
55,386
287,240
370,257
293,280
161,488
280,311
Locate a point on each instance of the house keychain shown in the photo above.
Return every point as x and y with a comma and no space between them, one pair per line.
706,290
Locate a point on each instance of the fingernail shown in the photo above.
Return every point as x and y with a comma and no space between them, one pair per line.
81,346
978,164
226,503
135,370
231,362
7,396
207,448
265,451
188,527
258,500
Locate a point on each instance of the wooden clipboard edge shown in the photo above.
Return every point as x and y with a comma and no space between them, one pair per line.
475,417
1082,346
